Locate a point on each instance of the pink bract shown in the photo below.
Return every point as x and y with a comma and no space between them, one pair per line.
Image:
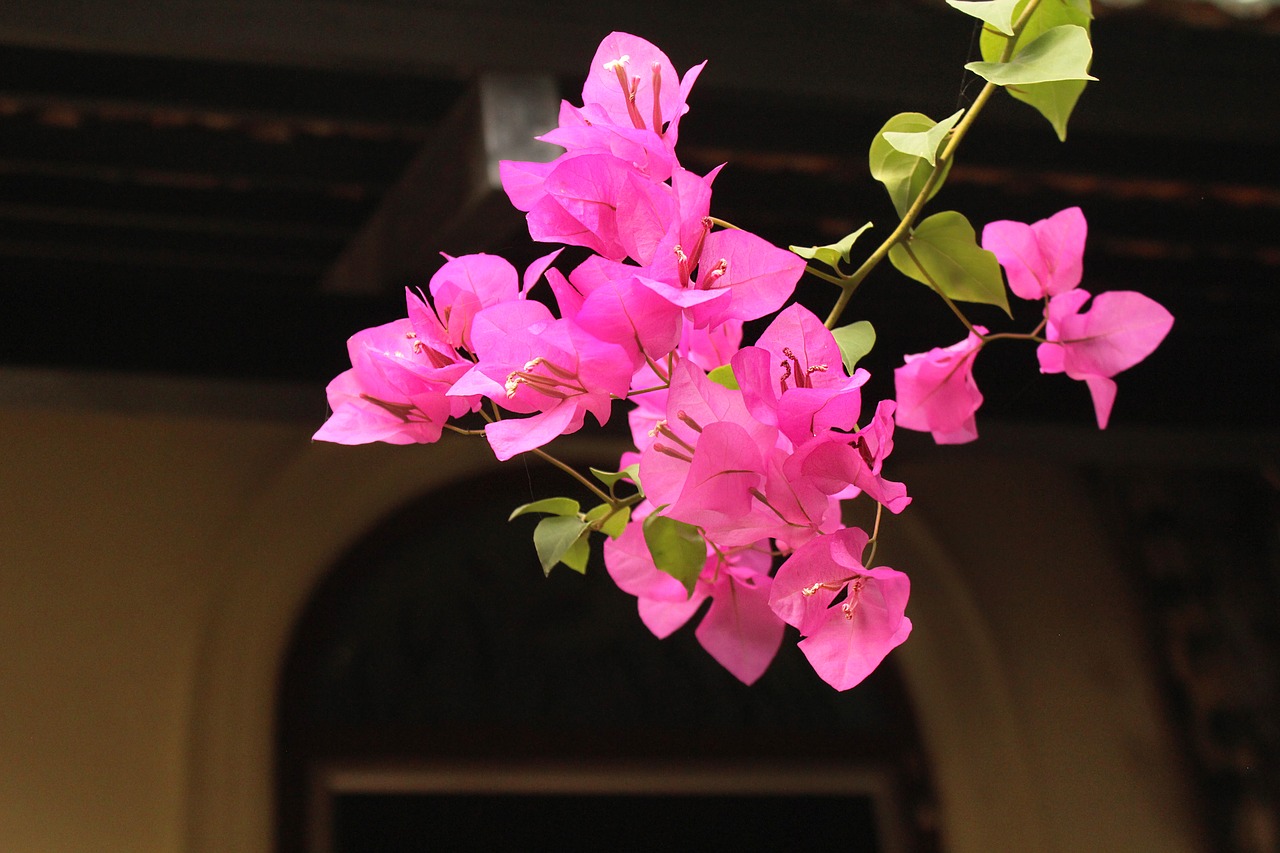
530,362
844,640
396,389
739,630
1042,259
637,86
936,392
794,377
1120,329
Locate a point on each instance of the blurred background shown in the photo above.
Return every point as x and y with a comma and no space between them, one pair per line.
216,635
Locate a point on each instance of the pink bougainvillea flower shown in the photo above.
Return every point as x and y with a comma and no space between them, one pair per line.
626,312
794,377
625,131
580,204
465,286
728,275
1042,259
706,348
660,223
739,629
1120,329
713,465
800,508
637,86
468,284
707,462
525,181
724,472
844,639
590,130
936,392
530,362
846,465
360,418
710,346
396,388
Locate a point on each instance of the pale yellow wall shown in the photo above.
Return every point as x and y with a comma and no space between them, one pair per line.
151,568
106,522
1028,665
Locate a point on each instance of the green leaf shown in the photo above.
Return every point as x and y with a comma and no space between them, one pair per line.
833,253
1062,53
903,175
855,341
1055,101
923,143
553,539
723,375
944,254
578,554
611,478
996,13
1049,14
554,506
677,548
616,522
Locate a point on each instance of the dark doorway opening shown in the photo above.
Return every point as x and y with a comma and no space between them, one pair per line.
437,651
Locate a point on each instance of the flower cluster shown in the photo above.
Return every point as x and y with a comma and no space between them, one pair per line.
742,453
1044,261
753,465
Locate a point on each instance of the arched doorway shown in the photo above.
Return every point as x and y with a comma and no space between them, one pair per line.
439,691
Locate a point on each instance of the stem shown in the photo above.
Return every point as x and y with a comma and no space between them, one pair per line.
875,537
460,431
617,505
1014,336
631,394
592,487
825,276
940,165
664,375
934,285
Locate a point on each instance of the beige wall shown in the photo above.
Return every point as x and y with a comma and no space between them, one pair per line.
105,526
151,567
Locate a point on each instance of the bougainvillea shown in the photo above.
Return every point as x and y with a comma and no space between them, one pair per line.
744,456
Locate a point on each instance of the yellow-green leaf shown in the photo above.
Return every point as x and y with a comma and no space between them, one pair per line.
614,521
923,143
611,478
677,548
903,175
578,554
943,253
723,376
1062,53
995,13
551,506
833,253
1055,100
855,341
1049,14
553,538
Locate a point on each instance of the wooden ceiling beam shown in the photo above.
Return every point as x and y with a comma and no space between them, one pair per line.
1160,79
451,198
